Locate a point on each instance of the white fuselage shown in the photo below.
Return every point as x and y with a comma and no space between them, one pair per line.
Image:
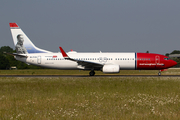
126,61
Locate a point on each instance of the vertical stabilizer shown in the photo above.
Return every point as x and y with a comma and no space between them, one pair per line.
22,43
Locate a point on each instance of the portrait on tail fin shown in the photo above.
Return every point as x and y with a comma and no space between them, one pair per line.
20,49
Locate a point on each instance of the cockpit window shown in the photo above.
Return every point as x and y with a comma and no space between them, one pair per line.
166,58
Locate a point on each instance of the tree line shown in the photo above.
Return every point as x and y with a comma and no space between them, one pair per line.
7,61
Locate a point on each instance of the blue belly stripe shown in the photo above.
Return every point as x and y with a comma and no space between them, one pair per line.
135,62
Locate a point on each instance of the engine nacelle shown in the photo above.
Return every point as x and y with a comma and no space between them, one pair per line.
111,69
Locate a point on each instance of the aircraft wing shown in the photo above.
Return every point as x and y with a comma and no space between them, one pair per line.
81,62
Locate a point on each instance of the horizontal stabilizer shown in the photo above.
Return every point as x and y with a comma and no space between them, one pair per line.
15,54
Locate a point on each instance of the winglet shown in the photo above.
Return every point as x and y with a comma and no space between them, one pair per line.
63,53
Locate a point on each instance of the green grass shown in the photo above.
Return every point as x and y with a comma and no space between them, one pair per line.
81,72
90,98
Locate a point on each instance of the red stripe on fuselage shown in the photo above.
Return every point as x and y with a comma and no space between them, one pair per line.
150,61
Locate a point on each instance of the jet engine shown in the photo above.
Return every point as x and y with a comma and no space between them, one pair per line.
111,69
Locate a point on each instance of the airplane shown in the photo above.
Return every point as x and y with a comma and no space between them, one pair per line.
28,53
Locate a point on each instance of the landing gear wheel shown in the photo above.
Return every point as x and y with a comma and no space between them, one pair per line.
92,73
159,73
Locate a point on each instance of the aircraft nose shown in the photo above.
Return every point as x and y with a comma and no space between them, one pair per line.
173,63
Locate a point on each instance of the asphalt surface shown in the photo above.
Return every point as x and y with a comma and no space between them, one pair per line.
33,76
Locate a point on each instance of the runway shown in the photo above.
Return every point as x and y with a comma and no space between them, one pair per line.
34,76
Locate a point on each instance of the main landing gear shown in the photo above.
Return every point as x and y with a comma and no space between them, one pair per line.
92,73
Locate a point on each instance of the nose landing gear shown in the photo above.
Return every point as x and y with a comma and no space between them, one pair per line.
159,74
161,71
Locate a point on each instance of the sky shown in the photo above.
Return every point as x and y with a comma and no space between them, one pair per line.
95,25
